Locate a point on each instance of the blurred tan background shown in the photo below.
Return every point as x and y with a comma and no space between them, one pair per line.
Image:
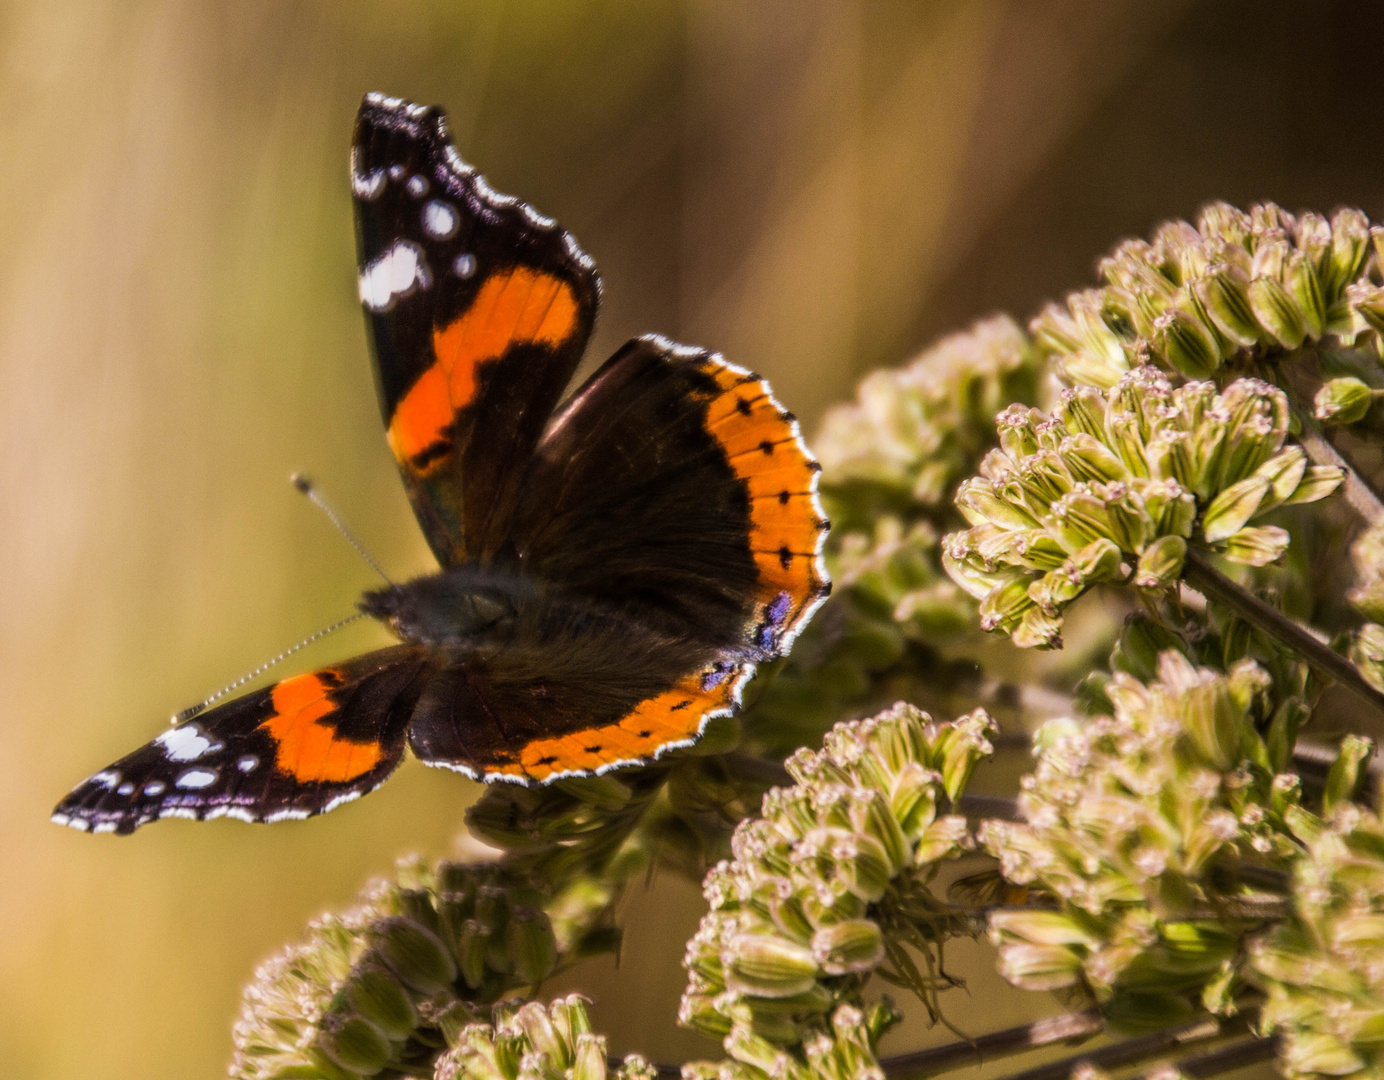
815,187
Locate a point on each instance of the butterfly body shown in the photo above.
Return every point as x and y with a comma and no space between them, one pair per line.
611,570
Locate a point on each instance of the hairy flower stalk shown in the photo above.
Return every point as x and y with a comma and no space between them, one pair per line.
821,885
1236,285
1152,829
1115,485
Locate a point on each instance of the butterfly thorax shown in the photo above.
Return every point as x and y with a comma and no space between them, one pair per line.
463,606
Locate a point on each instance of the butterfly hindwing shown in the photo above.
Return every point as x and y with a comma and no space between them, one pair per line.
675,482
479,311
576,704
300,747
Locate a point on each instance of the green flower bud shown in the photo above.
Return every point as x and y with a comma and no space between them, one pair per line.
1038,630
1343,401
377,996
1160,566
1256,546
1038,928
854,947
1350,247
1300,281
1004,606
533,1022
1224,295
532,945
353,1043
590,1060
1186,343
1232,508
699,1013
1347,773
768,966
1039,967
913,799
1277,312
943,839
1318,482
414,953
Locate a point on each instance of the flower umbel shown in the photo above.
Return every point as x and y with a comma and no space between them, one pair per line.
1113,486
1143,826
1194,299
795,920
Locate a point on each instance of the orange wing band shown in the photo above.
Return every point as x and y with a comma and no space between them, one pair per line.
307,749
519,306
670,720
787,526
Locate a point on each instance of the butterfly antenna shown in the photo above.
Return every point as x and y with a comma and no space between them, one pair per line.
192,710
306,486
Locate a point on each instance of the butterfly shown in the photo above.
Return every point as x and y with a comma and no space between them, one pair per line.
612,568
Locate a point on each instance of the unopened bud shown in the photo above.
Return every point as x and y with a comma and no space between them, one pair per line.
1160,566
849,948
376,995
414,953
1343,401
353,1043
1277,312
768,966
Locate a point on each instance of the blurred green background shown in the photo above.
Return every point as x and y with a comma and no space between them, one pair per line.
814,187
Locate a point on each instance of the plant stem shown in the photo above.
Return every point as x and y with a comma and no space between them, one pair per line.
1143,1048
1229,1058
1214,585
1067,1028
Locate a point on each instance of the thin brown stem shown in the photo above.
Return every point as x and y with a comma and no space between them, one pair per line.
1229,1058
1215,586
1144,1048
1068,1028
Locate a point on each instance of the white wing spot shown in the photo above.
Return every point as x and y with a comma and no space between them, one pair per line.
417,186
107,779
368,187
196,778
465,265
393,275
440,221
155,787
125,789
397,171
248,763
186,743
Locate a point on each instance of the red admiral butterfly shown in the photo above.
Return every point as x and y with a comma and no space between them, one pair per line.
612,569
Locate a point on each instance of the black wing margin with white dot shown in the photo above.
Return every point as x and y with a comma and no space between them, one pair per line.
301,747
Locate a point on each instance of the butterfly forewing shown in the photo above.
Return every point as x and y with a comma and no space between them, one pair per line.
479,310
291,750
